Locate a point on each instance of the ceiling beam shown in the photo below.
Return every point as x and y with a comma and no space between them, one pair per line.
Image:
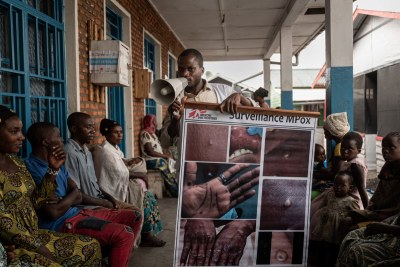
293,10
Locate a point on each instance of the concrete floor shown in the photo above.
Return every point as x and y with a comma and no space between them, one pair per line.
164,256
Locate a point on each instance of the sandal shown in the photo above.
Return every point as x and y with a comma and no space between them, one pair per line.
152,241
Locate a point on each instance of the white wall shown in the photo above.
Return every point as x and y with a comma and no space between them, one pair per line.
376,45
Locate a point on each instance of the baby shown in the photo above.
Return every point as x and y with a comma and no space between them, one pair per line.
335,206
319,184
319,157
326,235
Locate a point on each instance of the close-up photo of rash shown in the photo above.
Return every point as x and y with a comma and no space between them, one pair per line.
220,191
210,142
207,142
286,153
280,248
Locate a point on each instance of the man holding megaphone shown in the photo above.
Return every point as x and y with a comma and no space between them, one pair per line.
195,89
190,67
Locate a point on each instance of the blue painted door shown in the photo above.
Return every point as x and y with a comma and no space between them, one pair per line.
116,108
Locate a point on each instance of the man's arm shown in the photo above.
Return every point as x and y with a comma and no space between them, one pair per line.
93,201
54,210
70,162
231,103
70,165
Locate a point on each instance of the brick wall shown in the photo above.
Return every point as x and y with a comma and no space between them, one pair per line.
89,10
143,16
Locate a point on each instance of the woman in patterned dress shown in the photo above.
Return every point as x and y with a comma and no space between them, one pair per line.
154,156
19,197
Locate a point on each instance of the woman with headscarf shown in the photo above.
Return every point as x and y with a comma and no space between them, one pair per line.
126,180
154,156
19,197
336,126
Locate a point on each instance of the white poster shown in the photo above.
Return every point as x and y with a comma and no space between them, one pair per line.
245,183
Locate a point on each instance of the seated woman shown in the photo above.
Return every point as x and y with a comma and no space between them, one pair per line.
114,175
19,197
154,156
377,244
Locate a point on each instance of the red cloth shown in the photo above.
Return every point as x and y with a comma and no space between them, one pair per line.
148,123
117,234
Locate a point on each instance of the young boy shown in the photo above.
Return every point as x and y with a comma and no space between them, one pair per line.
351,146
114,229
385,201
382,207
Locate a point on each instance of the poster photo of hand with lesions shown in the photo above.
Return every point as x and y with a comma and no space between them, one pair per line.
244,188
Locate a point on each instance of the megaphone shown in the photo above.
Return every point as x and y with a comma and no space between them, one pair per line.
164,92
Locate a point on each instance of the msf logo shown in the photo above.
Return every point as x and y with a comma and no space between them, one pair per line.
195,113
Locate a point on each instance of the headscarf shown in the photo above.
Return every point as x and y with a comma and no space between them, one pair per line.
148,124
107,125
6,113
337,125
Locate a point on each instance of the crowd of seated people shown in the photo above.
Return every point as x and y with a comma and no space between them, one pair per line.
65,207
21,202
61,208
99,204
348,229
55,208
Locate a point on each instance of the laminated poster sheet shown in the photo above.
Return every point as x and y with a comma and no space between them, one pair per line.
245,185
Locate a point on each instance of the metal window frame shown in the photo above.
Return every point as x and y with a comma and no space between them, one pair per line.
115,95
150,62
151,106
20,15
171,67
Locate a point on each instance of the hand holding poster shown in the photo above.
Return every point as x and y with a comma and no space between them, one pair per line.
245,187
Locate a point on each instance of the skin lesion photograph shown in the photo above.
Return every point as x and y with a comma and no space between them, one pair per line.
220,191
205,242
280,248
245,144
283,204
206,142
286,153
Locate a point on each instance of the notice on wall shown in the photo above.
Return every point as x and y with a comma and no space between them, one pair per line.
245,183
